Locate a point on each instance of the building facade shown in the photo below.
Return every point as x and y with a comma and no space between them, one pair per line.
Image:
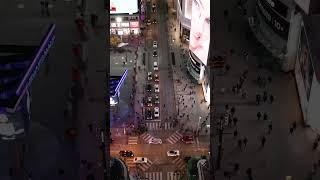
125,18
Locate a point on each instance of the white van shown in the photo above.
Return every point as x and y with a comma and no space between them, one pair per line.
155,66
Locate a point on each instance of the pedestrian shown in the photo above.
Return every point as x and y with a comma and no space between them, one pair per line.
229,120
226,107
235,134
259,115
294,125
265,96
271,98
235,120
240,144
291,130
236,167
318,139
315,145
234,89
258,97
269,128
269,79
90,126
259,80
226,174
265,116
245,141
233,110
46,7
227,67
263,141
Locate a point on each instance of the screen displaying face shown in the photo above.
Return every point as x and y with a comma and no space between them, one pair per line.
200,29
123,6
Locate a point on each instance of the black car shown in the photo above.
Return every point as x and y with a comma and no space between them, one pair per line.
149,88
155,54
149,114
126,153
154,21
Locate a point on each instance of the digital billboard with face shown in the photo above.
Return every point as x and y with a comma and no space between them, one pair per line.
200,29
123,6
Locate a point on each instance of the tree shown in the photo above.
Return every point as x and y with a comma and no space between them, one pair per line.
114,40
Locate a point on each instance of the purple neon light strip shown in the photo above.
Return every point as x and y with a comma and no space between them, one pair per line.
34,60
121,80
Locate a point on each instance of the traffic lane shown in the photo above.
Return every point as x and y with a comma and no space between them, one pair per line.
156,150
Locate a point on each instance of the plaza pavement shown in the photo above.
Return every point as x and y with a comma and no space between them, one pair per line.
283,154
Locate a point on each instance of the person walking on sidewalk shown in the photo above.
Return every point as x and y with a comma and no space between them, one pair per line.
235,134
265,116
249,173
271,98
315,145
265,96
291,130
240,144
263,141
269,127
233,110
258,98
259,115
245,141
235,120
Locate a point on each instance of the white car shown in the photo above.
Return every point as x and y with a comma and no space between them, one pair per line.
155,141
155,44
173,153
156,112
140,160
155,66
156,77
156,99
149,76
149,101
156,88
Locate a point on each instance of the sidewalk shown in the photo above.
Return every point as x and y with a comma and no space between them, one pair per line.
184,84
283,154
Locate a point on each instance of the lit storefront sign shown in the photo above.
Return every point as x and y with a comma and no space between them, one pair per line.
134,24
123,6
276,20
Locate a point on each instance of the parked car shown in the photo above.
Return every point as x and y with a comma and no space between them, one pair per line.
155,66
155,141
156,88
173,153
155,44
156,99
149,76
156,112
188,139
149,88
126,153
148,22
155,53
149,114
156,77
140,160
149,101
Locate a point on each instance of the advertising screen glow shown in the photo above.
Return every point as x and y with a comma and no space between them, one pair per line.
123,6
200,29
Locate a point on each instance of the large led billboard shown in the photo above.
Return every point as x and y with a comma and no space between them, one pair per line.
200,29
123,6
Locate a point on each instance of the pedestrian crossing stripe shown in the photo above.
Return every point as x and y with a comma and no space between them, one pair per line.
173,176
146,137
152,126
179,163
133,140
145,166
153,175
175,137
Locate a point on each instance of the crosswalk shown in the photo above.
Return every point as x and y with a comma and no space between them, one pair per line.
180,163
173,176
145,166
146,137
156,126
142,166
175,137
153,175
158,176
133,140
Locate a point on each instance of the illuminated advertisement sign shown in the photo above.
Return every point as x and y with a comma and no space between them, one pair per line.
277,22
123,6
200,29
188,8
38,59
